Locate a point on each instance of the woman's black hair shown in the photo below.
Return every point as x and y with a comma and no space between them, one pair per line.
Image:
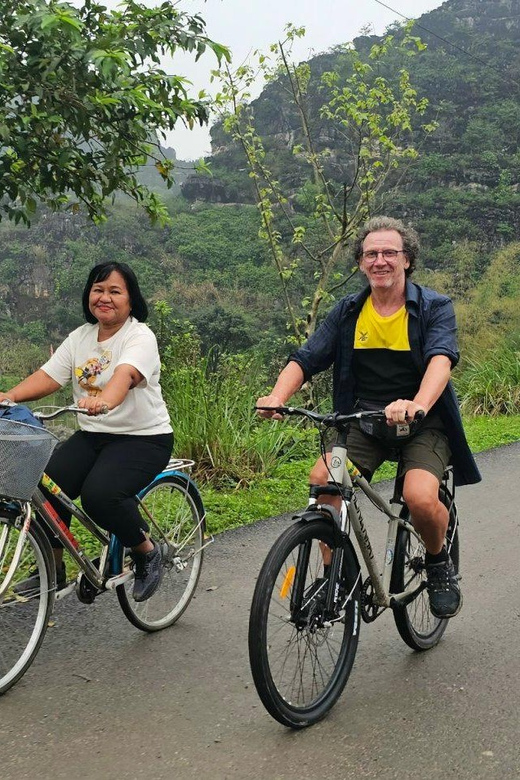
138,306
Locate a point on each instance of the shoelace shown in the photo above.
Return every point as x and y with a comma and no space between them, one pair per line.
143,567
440,578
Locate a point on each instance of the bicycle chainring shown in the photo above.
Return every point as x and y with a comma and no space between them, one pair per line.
369,610
85,590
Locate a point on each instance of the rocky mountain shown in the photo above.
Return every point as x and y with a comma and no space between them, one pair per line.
465,183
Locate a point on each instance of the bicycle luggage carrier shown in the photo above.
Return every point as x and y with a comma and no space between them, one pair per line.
24,452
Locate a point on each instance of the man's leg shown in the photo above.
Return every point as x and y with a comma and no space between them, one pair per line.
364,451
430,516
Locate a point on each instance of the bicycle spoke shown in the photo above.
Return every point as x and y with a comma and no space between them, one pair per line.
170,507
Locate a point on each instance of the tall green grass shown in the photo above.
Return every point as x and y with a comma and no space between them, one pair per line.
211,400
490,383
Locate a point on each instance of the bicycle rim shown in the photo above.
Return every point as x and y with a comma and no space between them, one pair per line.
416,624
177,510
301,658
24,618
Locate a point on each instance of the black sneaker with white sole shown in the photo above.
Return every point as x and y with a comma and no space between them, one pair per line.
147,573
442,583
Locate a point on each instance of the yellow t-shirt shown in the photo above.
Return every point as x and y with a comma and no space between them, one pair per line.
383,365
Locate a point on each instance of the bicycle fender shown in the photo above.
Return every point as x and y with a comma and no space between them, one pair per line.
341,539
326,513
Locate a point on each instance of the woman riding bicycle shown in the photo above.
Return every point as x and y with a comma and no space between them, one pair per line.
113,363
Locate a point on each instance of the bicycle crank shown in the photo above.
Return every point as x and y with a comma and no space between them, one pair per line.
369,609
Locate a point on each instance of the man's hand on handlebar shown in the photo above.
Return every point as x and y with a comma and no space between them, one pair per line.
269,400
403,411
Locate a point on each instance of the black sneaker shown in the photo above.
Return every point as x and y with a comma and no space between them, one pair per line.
443,589
30,586
147,572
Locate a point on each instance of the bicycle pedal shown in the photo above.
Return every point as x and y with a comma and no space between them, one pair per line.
119,579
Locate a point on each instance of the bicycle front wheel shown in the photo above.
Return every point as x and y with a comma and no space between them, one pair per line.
174,511
300,656
24,615
417,626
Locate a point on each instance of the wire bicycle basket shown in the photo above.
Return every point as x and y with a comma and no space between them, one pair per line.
24,452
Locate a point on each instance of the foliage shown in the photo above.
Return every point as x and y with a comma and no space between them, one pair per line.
369,114
209,266
490,382
17,360
211,403
83,98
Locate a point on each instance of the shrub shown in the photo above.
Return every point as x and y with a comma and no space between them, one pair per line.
490,383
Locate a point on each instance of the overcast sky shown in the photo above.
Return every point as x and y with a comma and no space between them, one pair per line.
247,25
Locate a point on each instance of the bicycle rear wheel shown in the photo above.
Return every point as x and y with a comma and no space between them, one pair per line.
178,514
301,657
417,626
23,618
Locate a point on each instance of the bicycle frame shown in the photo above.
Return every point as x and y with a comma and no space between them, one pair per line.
345,474
111,552
51,518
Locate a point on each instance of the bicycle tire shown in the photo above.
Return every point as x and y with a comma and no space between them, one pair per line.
325,654
175,504
416,624
24,620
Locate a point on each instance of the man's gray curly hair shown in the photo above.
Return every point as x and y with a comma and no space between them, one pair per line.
408,234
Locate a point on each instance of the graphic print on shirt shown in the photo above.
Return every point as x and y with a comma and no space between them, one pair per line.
87,373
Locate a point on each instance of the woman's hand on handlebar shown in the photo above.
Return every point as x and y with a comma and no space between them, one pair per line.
94,405
403,411
269,400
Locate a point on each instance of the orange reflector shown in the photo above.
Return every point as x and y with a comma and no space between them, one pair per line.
288,581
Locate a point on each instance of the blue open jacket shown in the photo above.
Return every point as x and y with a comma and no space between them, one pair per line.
431,331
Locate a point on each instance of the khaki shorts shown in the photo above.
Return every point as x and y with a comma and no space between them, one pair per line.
428,449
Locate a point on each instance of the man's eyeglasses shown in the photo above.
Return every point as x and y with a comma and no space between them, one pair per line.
388,254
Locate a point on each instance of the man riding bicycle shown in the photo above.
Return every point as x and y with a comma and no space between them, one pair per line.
394,340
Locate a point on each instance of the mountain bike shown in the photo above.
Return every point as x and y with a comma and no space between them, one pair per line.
171,506
310,595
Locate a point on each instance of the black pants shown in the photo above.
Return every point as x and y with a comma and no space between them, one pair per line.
107,470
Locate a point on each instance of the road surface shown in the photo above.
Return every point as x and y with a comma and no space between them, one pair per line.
103,700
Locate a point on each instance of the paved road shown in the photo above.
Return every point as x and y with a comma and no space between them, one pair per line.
103,700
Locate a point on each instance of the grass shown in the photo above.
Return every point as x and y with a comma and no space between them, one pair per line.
286,490
490,384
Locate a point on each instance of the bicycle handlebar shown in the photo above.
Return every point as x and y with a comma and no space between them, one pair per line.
63,410
334,419
57,412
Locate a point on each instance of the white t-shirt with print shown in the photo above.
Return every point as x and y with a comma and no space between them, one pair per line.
91,363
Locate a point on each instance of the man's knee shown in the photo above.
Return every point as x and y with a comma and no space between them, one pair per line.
319,473
421,505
